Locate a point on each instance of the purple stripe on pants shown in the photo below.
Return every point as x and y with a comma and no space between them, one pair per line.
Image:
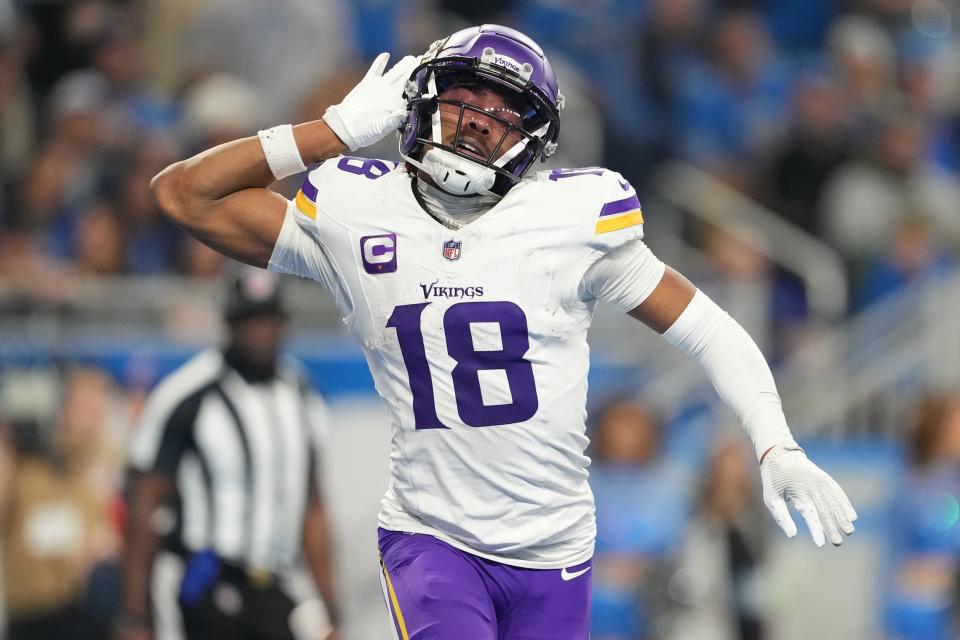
447,594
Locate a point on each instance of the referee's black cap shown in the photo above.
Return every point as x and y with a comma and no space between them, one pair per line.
254,292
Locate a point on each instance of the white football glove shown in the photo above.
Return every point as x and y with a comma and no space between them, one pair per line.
787,474
374,107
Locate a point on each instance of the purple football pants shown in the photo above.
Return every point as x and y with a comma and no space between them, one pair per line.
437,592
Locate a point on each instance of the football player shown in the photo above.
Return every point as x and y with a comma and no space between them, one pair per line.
470,284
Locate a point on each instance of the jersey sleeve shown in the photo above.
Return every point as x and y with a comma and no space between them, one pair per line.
307,241
621,269
623,277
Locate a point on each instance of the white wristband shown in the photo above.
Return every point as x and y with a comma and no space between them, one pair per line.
281,151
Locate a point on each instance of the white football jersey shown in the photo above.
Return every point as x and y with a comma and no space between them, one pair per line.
476,339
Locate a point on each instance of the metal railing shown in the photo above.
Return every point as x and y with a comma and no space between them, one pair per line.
684,190
866,375
707,199
859,376
181,309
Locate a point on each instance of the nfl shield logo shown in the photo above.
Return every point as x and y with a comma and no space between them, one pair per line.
451,249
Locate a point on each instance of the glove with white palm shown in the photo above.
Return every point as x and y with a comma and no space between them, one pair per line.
374,107
787,474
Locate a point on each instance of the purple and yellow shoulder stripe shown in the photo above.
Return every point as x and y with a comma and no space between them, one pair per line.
619,214
306,200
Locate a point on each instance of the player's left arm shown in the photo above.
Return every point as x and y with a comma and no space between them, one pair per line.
630,276
689,319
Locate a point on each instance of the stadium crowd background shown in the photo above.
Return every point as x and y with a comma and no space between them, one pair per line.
840,117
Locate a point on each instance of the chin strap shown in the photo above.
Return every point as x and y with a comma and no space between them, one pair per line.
452,211
456,175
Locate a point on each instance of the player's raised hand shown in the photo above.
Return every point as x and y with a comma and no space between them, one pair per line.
374,107
788,474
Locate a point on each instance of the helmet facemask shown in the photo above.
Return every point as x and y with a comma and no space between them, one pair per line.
467,148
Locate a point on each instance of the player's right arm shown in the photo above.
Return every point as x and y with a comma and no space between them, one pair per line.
220,196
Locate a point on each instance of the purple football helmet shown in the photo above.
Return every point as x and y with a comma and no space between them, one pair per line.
495,58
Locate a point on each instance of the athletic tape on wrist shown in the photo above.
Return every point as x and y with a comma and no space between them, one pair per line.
280,149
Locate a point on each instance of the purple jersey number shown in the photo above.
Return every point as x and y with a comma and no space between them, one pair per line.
406,320
515,343
367,167
559,174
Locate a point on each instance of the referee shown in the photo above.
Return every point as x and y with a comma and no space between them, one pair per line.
223,468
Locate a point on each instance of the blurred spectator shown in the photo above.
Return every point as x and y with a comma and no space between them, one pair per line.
164,24
199,261
583,145
134,110
817,144
888,12
866,200
915,254
930,83
307,39
219,108
99,246
866,58
28,280
64,32
56,523
926,540
151,241
641,507
711,589
16,103
768,303
67,168
596,36
331,91
800,25
600,39
671,40
495,11
670,48
731,108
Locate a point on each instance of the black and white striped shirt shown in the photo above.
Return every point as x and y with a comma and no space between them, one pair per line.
243,455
